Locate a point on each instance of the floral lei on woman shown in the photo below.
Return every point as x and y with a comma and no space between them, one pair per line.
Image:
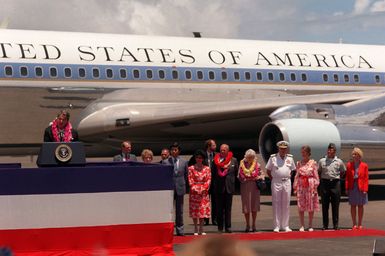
67,132
248,171
223,167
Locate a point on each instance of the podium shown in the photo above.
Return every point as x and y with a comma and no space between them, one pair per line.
61,154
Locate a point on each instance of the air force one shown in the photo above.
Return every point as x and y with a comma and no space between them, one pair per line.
155,90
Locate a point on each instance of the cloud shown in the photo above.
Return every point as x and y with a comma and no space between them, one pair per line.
360,6
214,18
378,6
295,20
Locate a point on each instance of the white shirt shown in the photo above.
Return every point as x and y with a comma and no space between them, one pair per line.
280,168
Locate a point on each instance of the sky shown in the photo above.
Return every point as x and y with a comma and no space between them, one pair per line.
347,21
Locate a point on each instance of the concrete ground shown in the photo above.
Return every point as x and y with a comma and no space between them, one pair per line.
374,218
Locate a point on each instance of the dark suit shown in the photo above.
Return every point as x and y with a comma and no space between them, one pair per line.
224,189
119,158
48,136
180,180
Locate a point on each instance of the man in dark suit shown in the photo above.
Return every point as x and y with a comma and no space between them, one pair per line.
227,170
180,180
125,155
61,129
211,147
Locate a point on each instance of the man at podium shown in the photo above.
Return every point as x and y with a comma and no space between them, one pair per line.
61,129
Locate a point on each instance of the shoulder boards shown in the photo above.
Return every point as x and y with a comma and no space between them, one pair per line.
273,155
289,155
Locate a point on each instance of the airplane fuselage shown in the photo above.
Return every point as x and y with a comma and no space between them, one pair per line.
42,72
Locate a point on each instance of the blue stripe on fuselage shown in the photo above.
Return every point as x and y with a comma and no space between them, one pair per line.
312,76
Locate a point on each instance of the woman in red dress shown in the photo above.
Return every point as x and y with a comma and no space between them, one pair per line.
199,177
305,186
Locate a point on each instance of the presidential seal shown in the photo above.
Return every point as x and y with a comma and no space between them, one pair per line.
63,153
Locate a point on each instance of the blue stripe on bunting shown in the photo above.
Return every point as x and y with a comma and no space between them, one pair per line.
92,179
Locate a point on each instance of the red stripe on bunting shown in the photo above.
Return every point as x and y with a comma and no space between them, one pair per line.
136,239
292,235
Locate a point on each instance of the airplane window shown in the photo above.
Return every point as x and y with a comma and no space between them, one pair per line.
82,72
211,75
149,73
282,76
270,76
67,72
292,77
53,72
188,74
109,73
161,74
247,76
356,78
136,73
8,71
304,77
123,73
175,74
377,79
39,71
325,77
335,76
23,71
346,78
95,73
200,74
237,76
259,76
224,75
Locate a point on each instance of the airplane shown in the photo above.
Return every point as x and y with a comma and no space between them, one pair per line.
156,90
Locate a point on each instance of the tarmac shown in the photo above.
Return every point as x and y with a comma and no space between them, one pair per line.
374,218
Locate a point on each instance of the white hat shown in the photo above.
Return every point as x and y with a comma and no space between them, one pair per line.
282,144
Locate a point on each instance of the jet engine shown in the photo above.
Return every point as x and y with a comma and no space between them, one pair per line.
319,133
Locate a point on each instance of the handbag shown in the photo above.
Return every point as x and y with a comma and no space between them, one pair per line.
261,184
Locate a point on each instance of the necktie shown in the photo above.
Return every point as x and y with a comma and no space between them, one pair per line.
210,158
175,162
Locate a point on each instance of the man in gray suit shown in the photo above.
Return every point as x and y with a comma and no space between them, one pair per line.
126,153
180,179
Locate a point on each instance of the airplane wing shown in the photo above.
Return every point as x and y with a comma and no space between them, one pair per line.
182,115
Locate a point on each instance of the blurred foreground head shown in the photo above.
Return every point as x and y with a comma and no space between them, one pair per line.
217,246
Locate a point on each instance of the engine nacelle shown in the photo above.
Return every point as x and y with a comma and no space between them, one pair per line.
318,134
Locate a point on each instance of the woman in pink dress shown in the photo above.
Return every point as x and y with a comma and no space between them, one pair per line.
305,186
199,177
249,173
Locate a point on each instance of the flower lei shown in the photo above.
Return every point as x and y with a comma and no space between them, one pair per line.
248,171
67,132
223,167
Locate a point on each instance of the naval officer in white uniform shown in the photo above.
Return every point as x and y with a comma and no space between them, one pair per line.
279,168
